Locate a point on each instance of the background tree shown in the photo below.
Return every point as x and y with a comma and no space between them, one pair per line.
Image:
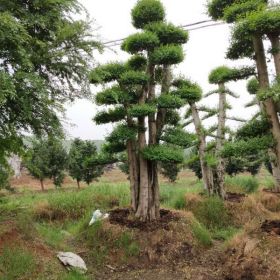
44,60
192,94
82,163
170,170
47,158
254,22
220,76
37,161
135,100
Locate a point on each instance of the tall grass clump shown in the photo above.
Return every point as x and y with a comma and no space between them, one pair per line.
16,263
248,184
174,196
201,233
212,213
75,205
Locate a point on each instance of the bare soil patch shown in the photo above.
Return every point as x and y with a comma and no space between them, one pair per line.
272,227
235,197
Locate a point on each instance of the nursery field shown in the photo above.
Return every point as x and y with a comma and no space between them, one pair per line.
197,237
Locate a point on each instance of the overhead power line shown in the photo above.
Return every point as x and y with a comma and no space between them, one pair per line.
114,43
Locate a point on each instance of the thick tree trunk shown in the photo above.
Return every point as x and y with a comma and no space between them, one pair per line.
144,207
268,105
133,173
78,184
142,211
220,171
154,207
166,80
275,44
207,174
42,185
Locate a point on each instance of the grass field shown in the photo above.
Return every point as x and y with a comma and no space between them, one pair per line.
35,225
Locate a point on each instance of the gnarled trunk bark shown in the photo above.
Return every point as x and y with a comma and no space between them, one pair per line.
275,44
220,170
269,106
207,174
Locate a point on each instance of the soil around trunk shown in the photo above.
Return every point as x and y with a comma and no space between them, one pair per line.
124,217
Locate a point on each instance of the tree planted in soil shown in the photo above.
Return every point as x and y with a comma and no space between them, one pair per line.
142,105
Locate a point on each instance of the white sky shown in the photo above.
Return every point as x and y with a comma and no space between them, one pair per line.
205,50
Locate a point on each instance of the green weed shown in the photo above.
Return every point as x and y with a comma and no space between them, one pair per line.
201,233
15,263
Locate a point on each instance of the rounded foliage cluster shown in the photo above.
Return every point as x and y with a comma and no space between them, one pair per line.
111,96
122,133
138,42
170,101
147,11
253,86
241,44
246,147
137,63
238,10
168,33
167,55
216,8
264,22
141,110
191,93
163,153
177,136
134,78
254,128
107,73
172,117
225,74
112,115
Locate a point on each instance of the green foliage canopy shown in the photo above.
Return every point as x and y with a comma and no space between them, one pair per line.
147,11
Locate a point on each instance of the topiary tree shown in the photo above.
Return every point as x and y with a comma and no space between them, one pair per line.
46,158
82,165
220,76
255,21
192,93
135,100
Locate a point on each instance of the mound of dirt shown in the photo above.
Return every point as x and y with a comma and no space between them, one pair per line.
123,217
272,227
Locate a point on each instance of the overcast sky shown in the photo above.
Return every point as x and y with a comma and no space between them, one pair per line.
205,50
